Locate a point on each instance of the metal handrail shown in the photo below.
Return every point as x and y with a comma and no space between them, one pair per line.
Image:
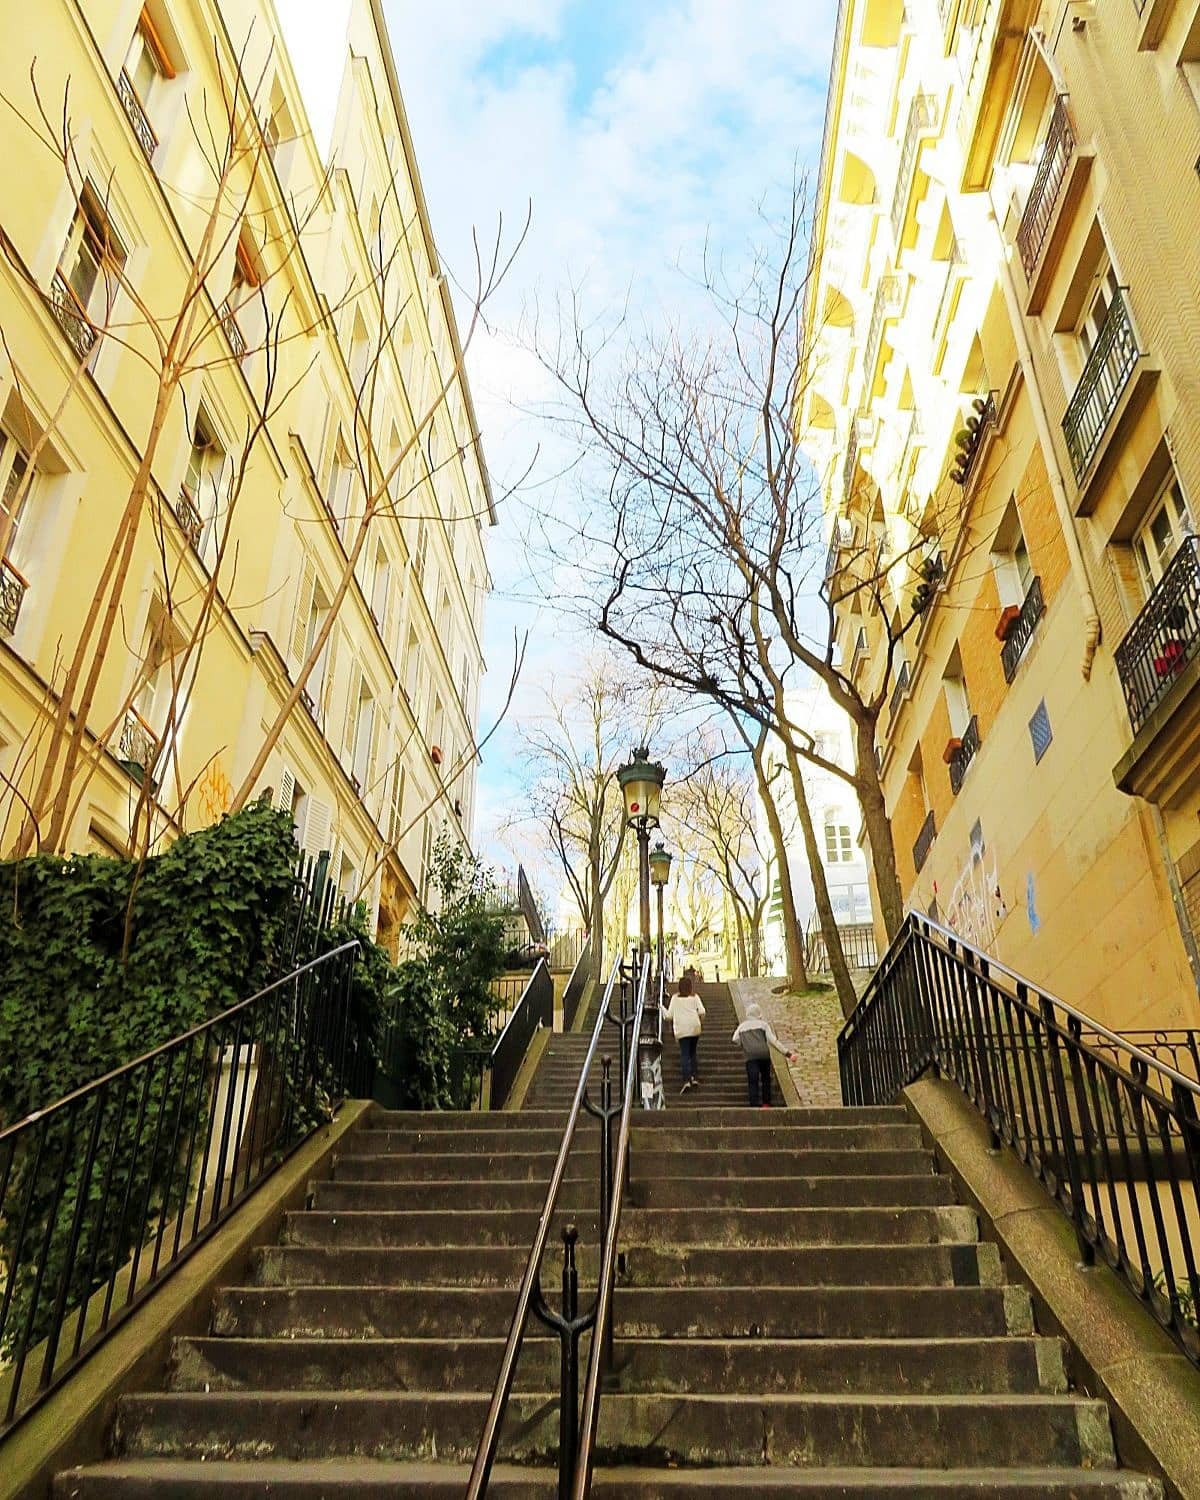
1109,1129
524,1017
600,1354
489,1439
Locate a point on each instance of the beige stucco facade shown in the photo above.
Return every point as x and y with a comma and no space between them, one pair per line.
258,522
1008,207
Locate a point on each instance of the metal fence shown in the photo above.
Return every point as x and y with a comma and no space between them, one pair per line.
535,1008
577,985
108,1191
858,945
1164,638
1111,1129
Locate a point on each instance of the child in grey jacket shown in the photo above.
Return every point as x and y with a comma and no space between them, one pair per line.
755,1037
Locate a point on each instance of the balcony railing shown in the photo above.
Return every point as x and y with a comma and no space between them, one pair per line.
1057,151
972,447
1108,371
898,692
1164,638
70,316
1022,630
191,522
852,445
967,750
924,841
138,744
12,592
922,116
146,138
233,333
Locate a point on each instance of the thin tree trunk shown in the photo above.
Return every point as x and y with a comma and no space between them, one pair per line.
829,928
793,938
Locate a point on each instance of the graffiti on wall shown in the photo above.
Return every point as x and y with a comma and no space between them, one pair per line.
975,907
214,791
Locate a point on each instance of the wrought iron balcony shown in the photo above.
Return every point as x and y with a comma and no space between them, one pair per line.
898,692
1021,630
968,748
1057,151
1108,371
922,116
853,441
71,317
971,444
1164,638
142,128
138,745
924,841
12,592
233,333
187,513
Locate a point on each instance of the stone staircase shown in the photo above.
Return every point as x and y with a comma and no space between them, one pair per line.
721,1065
803,1310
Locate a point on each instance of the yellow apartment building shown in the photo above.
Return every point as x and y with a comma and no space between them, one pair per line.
271,289
1002,402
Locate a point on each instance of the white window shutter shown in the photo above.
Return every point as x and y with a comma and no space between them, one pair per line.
316,827
287,790
330,675
348,723
304,605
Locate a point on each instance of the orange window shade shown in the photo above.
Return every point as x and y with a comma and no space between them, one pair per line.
155,43
245,265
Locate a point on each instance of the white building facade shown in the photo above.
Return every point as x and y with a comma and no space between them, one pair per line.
836,821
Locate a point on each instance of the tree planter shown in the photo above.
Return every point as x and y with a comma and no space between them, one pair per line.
953,746
1009,616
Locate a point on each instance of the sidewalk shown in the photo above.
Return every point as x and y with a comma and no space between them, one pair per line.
807,1025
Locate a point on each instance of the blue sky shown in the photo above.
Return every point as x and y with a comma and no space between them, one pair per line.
635,130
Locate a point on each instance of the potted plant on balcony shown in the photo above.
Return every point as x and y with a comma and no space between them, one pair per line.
953,746
1009,616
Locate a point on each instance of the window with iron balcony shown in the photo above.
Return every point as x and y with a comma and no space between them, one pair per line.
1107,338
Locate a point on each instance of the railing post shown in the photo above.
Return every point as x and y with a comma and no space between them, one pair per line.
605,1112
568,1409
1062,1106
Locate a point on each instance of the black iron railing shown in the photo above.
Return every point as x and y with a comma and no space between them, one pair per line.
1057,151
106,1192
187,513
924,841
922,117
1021,631
1110,1130
570,1324
566,948
12,594
577,985
1108,371
858,947
70,316
137,116
1164,638
970,443
968,748
535,1008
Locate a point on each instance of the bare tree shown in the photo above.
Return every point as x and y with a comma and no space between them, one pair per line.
572,753
708,524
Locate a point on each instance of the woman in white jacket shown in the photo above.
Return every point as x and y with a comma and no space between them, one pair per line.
686,1011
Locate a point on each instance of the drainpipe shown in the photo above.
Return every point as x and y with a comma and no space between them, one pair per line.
1058,488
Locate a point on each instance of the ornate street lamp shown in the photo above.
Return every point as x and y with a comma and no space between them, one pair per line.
641,783
660,870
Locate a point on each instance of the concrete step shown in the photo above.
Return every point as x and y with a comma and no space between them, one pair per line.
423,1121
949,1223
729,1312
651,1161
739,1129
699,1193
919,1366
348,1479
696,1266
803,1431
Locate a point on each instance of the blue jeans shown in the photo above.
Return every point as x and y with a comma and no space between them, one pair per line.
758,1080
687,1056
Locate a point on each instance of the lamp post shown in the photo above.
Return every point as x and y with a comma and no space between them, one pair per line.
641,783
660,870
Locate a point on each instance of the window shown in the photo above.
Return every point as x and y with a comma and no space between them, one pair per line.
90,264
396,826
1160,535
381,584
359,357
954,685
412,669
14,495
200,507
146,68
338,484
1096,308
839,847
420,556
1010,559
363,728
